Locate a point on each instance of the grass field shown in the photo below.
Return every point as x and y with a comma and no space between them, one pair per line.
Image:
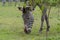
12,27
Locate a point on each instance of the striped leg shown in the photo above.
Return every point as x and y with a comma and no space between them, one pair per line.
47,22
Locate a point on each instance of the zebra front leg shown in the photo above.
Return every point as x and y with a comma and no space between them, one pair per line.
42,20
47,22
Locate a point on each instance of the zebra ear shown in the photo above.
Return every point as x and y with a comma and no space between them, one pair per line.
20,8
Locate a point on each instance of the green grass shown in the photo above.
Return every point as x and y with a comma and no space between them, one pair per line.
12,27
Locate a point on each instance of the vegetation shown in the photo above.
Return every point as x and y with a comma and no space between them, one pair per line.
12,28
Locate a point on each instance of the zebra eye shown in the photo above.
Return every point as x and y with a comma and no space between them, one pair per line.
24,10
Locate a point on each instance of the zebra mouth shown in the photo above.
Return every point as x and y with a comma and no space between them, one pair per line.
27,31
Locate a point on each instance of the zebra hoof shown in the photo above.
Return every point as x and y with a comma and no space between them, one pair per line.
40,31
27,31
48,29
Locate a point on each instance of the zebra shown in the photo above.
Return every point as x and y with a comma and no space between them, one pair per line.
3,2
43,8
